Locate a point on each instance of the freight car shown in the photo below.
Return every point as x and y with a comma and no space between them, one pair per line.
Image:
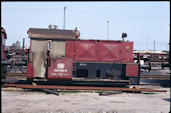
152,56
58,54
151,59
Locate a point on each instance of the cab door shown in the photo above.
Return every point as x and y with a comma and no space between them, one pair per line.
59,67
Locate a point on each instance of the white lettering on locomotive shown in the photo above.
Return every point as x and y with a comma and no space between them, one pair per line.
83,64
60,65
60,74
61,70
54,74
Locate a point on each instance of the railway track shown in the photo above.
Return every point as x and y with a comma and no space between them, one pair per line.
156,77
16,74
82,88
44,86
147,80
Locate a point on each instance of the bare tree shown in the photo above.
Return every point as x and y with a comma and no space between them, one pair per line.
16,45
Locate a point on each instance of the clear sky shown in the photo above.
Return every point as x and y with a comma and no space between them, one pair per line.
144,22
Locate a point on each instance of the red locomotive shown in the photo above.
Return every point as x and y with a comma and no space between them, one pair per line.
3,55
59,55
3,39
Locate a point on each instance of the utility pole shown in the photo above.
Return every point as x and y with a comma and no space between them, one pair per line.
23,43
107,30
154,45
169,50
81,34
147,42
166,46
64,17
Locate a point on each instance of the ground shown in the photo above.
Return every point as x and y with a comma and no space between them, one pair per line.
16,100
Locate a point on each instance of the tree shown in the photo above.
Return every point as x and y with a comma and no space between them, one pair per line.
16,45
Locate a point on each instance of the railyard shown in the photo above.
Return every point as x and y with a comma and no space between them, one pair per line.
60,70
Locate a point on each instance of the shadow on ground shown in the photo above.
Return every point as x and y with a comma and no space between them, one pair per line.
167,99
163,83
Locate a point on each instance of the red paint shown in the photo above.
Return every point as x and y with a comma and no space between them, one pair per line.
60,69
30,53
30,70
69,49
100,51
86,51
132,70
109,51
126,52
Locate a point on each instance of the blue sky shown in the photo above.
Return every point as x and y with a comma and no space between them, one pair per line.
144,22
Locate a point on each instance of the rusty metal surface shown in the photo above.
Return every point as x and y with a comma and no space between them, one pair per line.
51,33
79,88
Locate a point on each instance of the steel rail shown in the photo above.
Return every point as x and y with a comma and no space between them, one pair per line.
163,77
79,88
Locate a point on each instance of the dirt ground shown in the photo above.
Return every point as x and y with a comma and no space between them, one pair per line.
16,100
